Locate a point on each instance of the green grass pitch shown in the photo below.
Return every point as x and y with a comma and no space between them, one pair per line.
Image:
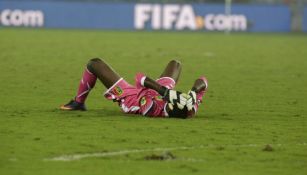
257,96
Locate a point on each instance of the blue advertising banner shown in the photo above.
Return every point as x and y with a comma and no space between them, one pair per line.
52,14
129,16
260,18
305,19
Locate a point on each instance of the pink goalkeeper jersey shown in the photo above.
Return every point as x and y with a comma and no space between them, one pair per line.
138,99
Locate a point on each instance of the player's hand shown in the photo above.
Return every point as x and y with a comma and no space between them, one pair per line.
175,98
191,100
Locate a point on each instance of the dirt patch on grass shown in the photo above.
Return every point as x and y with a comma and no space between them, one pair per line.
268,148
163,156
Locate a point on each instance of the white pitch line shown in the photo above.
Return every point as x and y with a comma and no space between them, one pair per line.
110,154
73,157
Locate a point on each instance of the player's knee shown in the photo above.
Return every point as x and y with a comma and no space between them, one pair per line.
91,64
94,60
176,63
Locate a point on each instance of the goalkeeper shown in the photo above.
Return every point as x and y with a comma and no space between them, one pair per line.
155,98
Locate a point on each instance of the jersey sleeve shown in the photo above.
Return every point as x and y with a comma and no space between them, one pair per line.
146,105
139,80
153,106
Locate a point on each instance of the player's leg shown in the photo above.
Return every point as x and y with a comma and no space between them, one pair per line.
172,70
96,68
103,72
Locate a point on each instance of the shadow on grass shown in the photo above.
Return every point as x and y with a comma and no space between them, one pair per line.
92,113
111,113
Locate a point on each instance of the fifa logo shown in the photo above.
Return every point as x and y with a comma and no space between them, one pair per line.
181,17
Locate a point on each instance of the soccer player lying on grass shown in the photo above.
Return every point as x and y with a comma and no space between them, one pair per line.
148,97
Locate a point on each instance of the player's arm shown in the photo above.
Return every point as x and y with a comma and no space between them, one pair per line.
171,96
152,84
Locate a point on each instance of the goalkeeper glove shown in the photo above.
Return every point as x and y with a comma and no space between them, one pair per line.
175,98
191,100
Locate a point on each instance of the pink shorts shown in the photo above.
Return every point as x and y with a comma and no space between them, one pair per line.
138,99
